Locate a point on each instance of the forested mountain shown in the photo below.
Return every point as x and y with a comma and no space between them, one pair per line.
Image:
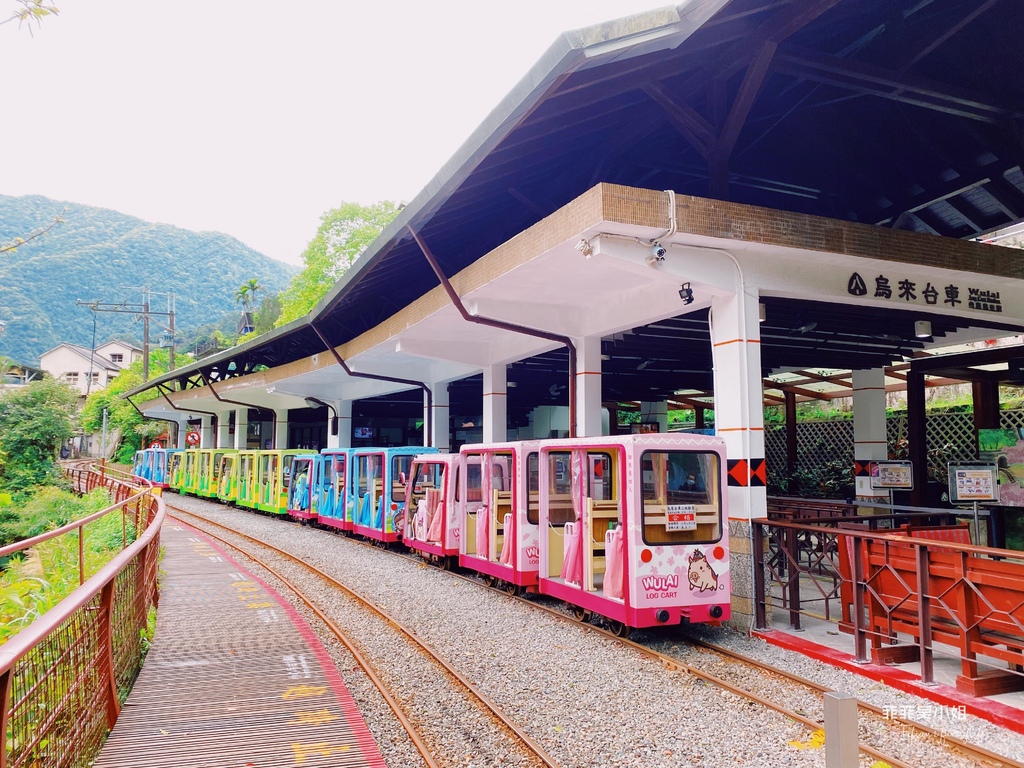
97,254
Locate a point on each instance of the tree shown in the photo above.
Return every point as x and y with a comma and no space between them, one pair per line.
35,420
246,294
344,233
30,10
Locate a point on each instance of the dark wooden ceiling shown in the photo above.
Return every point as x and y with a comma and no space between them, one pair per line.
899,113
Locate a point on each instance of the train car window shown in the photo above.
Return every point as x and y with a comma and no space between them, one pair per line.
474,479
601,481
335,473
400,466
533,488
681,503
368,468
560,509
428,477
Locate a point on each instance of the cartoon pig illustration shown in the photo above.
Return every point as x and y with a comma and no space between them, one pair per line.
701,575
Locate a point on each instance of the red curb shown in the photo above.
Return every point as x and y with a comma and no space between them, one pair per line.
993,711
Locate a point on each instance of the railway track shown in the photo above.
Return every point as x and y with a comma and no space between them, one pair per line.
878,723
535,754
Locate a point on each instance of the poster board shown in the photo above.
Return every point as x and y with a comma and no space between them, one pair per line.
969,483
892,475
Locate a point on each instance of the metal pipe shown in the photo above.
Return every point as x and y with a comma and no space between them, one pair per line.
163,394
427,424
505,326
220,399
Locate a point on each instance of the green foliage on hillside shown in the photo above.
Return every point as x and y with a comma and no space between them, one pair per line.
343,234
35,420
102,255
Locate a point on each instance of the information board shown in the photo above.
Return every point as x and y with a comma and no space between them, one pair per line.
973,482
893,475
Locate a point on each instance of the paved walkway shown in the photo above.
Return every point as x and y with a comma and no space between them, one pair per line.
235,677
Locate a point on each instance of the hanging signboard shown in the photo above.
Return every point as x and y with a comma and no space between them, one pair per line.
973,483
892,475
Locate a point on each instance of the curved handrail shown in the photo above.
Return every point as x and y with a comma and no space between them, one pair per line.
47,708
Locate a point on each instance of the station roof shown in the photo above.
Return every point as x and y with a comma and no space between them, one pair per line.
906,114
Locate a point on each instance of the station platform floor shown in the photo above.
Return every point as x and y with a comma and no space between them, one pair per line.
821,639
235,677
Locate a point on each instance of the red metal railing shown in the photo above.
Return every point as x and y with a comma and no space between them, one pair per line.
909,598
63,678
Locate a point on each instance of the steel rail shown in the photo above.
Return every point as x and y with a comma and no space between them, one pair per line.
488,703
971,751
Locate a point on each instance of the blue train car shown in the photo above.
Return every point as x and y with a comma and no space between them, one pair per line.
378,481
334,502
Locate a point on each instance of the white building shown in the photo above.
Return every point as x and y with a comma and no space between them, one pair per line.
85,369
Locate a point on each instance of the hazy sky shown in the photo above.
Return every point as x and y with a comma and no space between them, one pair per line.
254,117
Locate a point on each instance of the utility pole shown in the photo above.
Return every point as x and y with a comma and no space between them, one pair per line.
137,309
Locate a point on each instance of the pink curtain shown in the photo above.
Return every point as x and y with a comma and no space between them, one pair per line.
435,515
419,520
509,542
613,570
572,566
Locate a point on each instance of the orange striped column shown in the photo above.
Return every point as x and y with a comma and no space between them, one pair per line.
588,386
869,437
739,414
739,420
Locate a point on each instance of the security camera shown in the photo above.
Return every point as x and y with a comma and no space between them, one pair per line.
658,251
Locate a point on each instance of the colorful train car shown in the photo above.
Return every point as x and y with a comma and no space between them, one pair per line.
497,538
377,489
208,481
335,504
633,528
306,478
273,479
227,477
431,519
248,491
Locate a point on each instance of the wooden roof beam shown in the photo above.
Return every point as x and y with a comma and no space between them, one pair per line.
886,83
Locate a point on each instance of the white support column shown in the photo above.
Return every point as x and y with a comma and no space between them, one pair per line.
588,386
739,420
495,404
241,428
224,429
869,438
344,437
182,432
440,432
206,433
655,413
280,429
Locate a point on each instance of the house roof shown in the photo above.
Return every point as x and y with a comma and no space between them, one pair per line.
86,354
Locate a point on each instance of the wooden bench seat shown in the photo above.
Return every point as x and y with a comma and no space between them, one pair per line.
598,517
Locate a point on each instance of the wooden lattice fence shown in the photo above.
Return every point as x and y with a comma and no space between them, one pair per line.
821,443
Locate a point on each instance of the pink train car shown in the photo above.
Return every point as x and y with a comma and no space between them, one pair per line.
634,528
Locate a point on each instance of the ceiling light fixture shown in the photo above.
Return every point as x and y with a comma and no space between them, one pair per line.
923,329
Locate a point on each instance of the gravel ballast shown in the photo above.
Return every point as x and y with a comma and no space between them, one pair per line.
588,700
